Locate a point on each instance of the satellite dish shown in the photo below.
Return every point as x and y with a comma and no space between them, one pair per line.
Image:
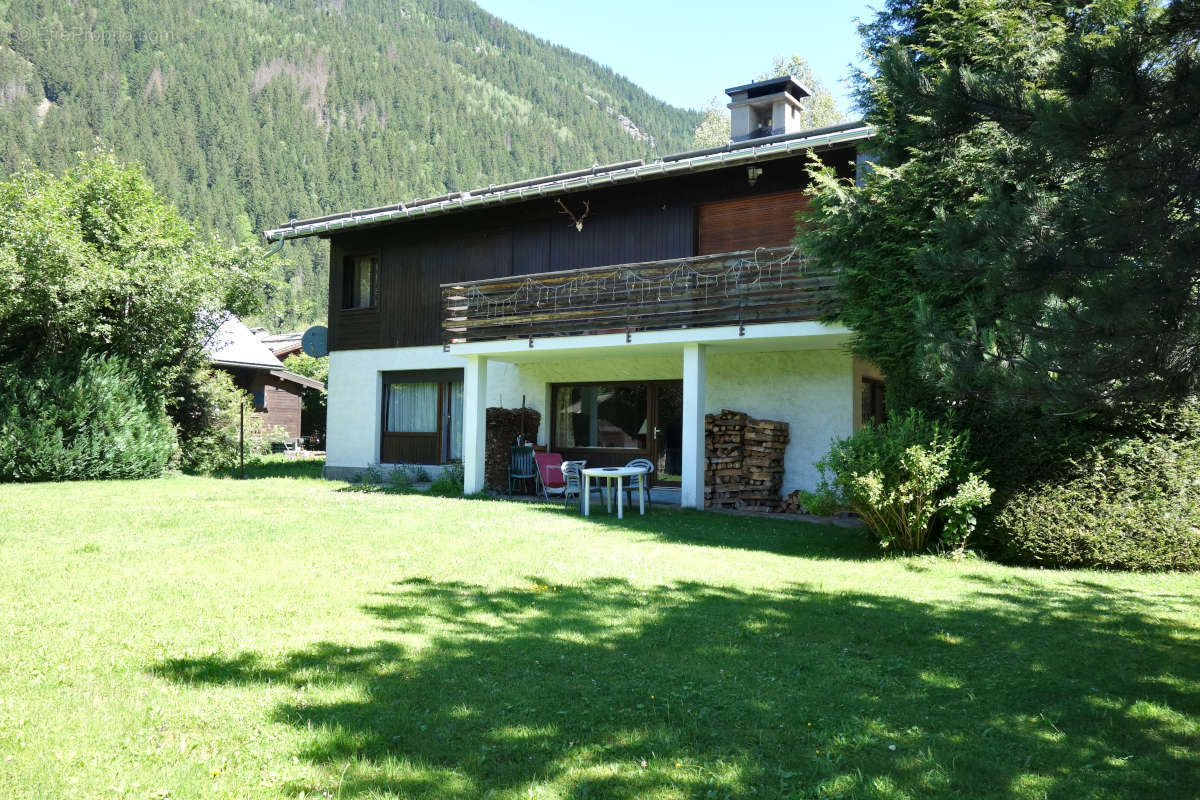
315,341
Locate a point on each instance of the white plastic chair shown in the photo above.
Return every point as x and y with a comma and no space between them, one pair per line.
573,475
639,481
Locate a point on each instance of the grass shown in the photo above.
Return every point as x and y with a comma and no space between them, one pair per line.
287,637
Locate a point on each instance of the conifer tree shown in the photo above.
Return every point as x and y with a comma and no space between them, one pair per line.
1029,237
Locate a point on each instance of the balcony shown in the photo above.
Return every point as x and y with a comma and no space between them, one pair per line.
742,288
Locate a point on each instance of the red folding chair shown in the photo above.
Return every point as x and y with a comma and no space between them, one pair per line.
549,466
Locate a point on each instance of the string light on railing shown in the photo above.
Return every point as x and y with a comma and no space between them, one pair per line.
626,283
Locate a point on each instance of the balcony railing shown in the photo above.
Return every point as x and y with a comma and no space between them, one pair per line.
747,287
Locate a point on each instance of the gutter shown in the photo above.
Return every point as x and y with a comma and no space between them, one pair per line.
733,154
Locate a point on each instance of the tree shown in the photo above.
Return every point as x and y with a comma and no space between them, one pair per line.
818,110
95,262
314,404
1027,239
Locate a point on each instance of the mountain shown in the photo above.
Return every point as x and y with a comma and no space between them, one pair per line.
248,113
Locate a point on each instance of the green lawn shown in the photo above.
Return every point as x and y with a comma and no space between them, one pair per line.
287,637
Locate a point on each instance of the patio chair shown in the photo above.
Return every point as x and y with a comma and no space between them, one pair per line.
522,467
573,477
638,481
550,474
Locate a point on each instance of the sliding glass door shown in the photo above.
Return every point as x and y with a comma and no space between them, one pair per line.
610,424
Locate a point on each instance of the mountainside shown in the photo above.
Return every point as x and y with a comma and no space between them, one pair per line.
247,114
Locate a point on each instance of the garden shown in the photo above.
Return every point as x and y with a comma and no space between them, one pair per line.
286,636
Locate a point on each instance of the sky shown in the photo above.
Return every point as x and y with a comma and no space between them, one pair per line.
686,53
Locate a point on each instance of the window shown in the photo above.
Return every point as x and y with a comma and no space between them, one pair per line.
422,417
260,398
873,409
600,416
412,408
360,274
453,445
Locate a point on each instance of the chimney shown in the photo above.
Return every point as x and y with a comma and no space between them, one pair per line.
765,108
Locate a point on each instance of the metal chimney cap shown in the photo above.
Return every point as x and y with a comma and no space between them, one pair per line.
784,83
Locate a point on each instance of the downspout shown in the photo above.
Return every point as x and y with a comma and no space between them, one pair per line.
275,248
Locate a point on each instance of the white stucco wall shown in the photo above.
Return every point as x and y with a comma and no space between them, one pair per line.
356,396
356,389
813,390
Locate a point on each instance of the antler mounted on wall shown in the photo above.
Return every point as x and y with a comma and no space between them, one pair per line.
577,220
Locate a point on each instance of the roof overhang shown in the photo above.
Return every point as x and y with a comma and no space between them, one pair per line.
241,364
729,155
308,383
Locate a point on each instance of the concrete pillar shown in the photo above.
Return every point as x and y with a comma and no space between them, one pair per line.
691,494
474,422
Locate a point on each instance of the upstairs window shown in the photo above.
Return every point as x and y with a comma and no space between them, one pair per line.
360,275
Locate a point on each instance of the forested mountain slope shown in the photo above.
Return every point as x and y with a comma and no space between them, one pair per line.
248,113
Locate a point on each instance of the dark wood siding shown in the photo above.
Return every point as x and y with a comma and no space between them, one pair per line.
283,405
357,328
649,221
410,448
281,399
748,222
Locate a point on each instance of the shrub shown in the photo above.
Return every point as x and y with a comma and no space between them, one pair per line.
1131,502
450,482
821,504
206,414
909,480
83,418
314,404
402,478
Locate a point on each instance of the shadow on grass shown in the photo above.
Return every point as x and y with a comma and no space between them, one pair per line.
607,689
780,535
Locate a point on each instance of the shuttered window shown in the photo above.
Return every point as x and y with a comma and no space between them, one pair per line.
748,222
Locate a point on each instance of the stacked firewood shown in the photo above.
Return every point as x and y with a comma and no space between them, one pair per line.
504,425
792,504
762,465
724,437
743,461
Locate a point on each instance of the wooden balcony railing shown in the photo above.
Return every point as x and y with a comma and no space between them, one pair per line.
775,285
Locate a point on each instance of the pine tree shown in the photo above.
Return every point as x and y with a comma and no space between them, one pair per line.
1028,238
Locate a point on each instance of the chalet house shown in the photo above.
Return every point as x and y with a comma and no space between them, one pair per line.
623,302
259,372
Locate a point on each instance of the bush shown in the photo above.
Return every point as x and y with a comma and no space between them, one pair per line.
1132,502
206,414
79,419
450,482
820,503
314,405
910,481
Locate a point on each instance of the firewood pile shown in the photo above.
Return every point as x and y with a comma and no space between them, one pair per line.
743,461
792,504
503,428
724,435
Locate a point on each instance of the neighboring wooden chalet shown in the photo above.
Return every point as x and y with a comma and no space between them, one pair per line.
276,392
622,302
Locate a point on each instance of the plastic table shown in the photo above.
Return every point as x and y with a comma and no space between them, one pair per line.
619,474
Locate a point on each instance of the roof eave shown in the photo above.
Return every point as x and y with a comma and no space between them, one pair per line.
733,154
